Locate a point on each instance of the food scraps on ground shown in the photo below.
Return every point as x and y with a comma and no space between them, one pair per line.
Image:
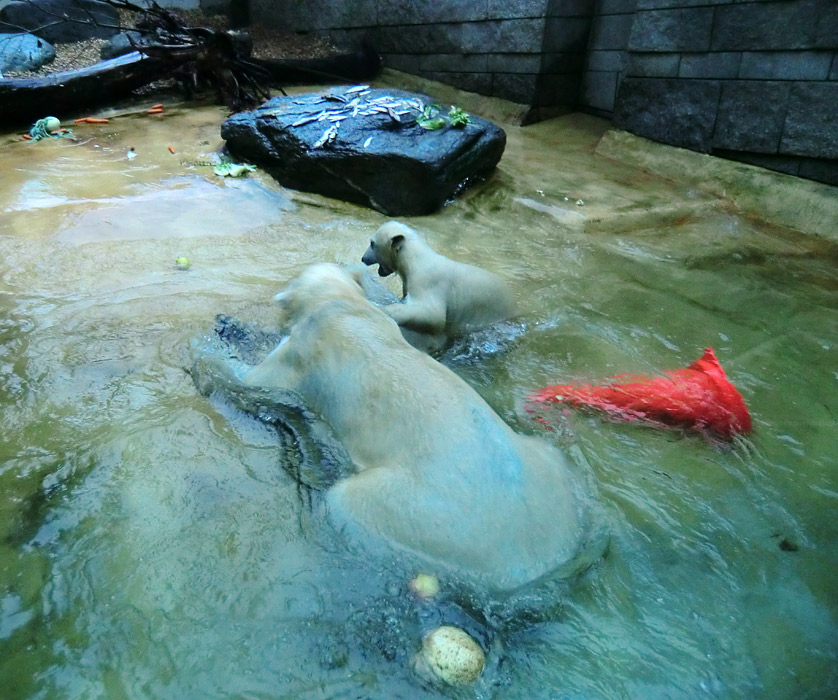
47,127
227,169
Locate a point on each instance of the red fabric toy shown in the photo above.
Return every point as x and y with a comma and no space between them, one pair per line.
699,396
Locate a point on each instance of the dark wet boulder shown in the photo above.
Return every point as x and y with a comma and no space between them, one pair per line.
23,52
386,149
123,43
61,21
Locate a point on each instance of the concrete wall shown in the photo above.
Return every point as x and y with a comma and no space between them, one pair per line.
567,30
753,80
606,55
494,47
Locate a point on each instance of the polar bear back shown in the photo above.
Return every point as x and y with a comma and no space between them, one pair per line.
439,473
443,298
477,298
504,528
473,297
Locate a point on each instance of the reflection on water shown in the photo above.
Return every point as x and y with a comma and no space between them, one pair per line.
151,545
178,207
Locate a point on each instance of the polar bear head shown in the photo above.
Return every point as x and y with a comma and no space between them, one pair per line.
317,285
386,246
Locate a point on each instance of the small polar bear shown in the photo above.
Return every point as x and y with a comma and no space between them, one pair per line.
443,299
433,470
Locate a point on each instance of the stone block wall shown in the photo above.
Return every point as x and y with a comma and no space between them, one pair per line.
606,55
527,51
753,80
567,27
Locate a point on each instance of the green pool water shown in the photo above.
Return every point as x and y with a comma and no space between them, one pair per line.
153,546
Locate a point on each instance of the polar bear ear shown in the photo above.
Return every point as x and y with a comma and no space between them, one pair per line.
397,242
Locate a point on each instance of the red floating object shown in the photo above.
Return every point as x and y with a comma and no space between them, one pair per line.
699,396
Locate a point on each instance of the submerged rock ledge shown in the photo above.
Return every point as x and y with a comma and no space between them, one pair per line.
366,145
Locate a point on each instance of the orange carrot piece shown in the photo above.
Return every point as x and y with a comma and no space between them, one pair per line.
157,106
171,149
83,119
27,137
154,111
91,120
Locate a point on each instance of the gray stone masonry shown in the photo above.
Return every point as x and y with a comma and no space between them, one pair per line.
606,55
767,26
722,64
672,30
762,73
755,80
739,127
678,112
810,132
785,65
521,50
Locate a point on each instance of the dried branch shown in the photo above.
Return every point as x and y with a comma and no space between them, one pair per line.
201,56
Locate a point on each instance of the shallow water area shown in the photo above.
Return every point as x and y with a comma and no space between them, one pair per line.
153,546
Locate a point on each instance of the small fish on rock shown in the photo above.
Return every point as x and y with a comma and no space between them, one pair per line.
329,135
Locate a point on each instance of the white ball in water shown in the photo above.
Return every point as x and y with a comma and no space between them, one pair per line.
451,656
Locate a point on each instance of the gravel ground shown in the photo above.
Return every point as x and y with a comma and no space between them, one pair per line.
67,57
267,43
273,43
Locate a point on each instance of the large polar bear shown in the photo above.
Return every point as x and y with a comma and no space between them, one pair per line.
443,298
434,470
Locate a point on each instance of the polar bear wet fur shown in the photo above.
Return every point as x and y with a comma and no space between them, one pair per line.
443,298
436,470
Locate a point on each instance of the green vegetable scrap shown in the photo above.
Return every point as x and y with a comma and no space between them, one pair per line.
48,127
458,117
432,124
430,119
227,169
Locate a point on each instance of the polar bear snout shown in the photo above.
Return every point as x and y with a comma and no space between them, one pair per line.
371,258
